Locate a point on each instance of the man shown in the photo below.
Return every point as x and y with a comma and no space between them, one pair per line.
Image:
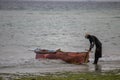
94,41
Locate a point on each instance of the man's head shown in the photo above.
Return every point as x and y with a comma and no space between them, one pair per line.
87,35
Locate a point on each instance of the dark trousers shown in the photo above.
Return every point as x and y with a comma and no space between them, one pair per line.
96,60
98,54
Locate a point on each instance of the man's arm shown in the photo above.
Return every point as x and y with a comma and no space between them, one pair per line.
91,43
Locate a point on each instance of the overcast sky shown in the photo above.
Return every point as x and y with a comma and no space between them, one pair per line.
78,0
61,0
74,0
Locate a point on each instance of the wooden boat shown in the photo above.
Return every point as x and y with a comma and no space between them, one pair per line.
69,57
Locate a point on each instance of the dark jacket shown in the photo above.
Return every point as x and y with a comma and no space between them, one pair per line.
94,41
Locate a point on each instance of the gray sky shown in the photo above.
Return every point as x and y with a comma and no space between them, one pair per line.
78,0
62,0
75,0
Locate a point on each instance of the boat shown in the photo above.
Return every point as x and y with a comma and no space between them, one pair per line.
69,57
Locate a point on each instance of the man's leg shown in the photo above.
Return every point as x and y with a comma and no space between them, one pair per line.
96,60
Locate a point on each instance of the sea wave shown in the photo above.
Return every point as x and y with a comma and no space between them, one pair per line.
29,63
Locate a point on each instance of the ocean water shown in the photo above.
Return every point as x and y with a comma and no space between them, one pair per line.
25,26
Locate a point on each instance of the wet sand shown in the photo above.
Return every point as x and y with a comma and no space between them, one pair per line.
89,67
101,67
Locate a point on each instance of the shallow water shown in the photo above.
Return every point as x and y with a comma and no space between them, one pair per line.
25,30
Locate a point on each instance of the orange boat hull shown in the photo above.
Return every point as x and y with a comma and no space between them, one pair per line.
69,57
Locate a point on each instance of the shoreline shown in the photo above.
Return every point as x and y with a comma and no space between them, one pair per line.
58,75
62,66
109,69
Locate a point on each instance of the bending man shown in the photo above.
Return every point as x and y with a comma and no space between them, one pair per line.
94,41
